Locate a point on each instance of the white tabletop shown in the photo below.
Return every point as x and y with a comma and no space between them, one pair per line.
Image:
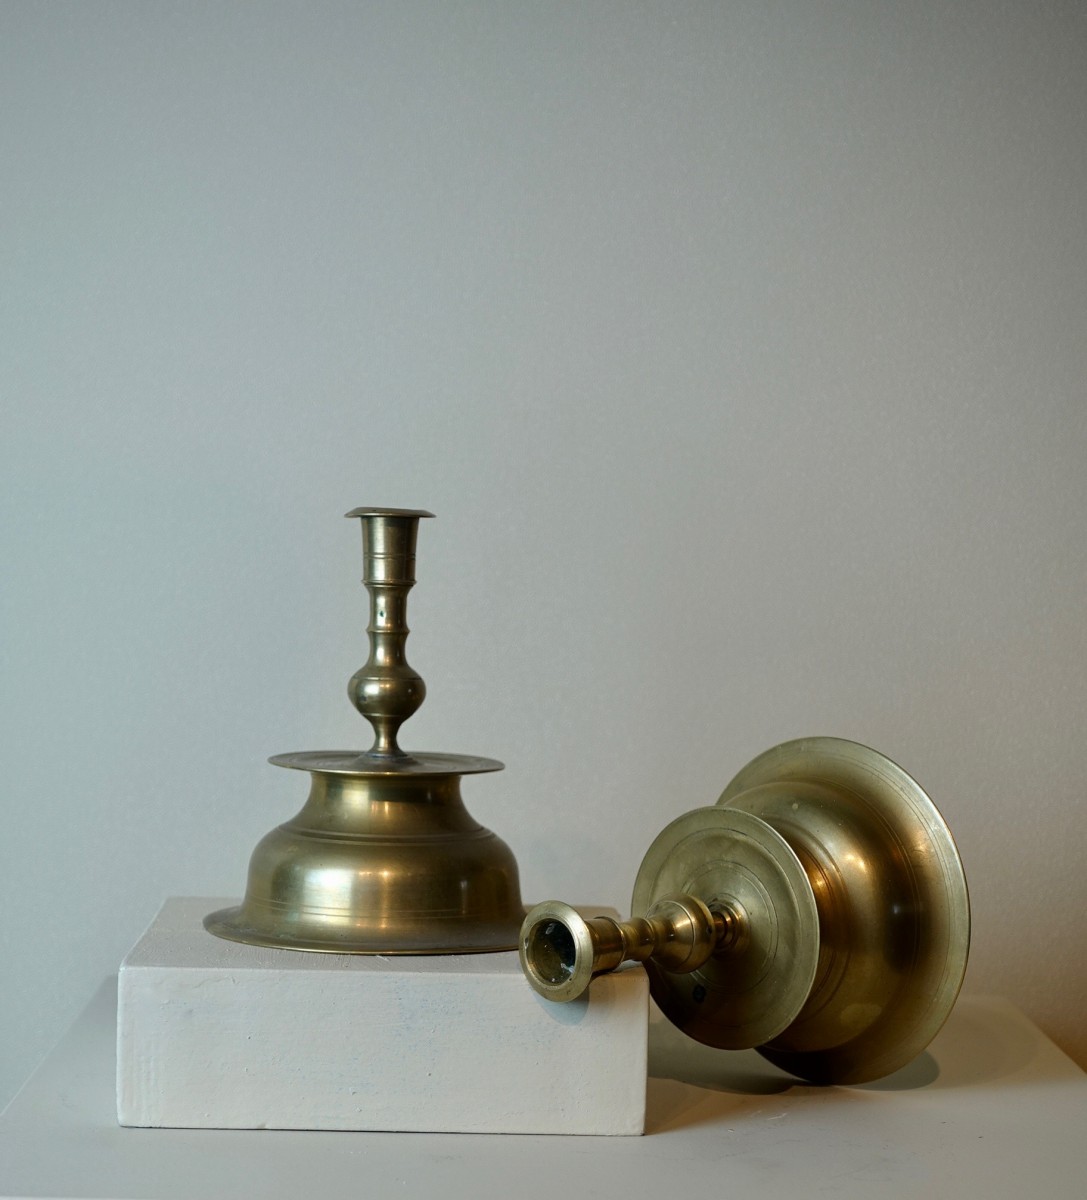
992,1109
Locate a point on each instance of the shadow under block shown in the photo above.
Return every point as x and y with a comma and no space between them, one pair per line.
214,1034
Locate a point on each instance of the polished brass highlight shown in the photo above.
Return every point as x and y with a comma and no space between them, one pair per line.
564,951
835,919
894,911
383,858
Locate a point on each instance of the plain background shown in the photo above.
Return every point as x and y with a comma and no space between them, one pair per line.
740,349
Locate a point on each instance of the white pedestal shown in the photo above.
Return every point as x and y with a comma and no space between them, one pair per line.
215,1034
992,1111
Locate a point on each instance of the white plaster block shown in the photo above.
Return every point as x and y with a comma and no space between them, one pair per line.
215,1034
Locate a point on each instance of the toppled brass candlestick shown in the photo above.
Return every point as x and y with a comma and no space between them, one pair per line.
818,913
384,858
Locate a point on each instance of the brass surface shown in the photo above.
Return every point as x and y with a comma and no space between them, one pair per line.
729,936
894,912
562,952
383,858
756,984
840,917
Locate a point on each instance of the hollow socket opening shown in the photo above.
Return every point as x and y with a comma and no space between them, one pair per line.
551,951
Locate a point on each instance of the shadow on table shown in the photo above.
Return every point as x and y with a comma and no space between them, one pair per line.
691,1084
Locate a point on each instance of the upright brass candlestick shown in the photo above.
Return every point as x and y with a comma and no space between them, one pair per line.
384,858
819,913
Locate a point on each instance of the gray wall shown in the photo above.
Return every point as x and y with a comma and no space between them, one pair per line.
740,348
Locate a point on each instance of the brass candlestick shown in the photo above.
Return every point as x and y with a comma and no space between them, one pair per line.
819,913
383,858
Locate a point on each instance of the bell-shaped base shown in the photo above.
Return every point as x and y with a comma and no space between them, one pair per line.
381,860
894,913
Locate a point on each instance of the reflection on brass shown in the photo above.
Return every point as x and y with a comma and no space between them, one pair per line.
894,913
819,913
384,858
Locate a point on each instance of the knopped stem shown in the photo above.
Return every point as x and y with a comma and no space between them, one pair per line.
562,952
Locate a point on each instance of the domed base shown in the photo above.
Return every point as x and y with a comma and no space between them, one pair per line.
381,860
894,914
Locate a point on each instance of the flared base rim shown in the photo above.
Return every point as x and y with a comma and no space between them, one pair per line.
462,937
909,839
